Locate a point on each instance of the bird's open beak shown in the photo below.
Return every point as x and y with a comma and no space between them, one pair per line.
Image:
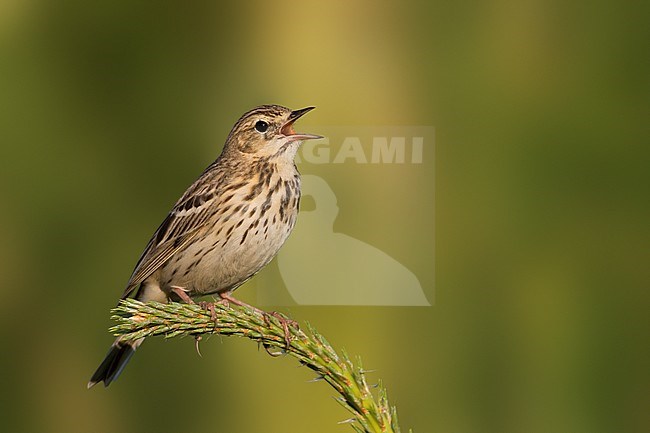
288,131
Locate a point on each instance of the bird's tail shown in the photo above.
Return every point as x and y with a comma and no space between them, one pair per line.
115,361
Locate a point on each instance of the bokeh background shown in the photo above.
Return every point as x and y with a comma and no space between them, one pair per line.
109,109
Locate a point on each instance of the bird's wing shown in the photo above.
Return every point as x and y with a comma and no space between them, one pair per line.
182,225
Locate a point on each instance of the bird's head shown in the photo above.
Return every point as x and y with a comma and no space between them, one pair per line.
267,132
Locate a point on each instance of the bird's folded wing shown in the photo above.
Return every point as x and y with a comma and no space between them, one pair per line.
151,263
181,226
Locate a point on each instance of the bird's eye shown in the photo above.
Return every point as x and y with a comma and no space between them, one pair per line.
261,126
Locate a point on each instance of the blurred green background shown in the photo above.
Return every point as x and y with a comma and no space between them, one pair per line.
109,109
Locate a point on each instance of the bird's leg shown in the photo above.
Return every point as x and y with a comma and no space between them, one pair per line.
284,321
182,293
226,299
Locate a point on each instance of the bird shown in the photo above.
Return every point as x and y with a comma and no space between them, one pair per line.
227,225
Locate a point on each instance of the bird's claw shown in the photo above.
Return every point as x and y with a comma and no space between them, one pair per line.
210,307
285,322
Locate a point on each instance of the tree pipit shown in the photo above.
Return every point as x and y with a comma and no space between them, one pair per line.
227,226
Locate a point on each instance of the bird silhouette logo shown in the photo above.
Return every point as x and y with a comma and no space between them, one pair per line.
322,267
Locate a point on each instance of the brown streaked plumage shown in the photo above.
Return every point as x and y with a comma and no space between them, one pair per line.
227,226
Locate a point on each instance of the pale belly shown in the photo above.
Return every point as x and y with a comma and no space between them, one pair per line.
233,251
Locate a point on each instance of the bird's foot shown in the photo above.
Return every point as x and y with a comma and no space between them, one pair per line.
285,322
181,292
210,307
